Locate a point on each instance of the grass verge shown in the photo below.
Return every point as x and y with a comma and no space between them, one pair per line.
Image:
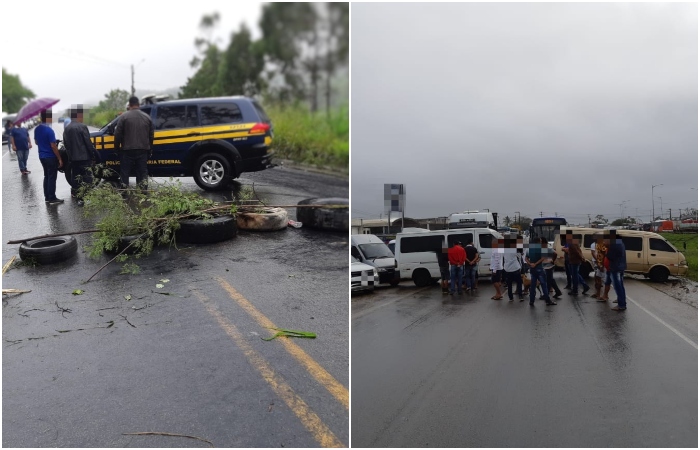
690,250
318,139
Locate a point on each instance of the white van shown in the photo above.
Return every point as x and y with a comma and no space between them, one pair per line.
647,253
471,219
416,258
371,250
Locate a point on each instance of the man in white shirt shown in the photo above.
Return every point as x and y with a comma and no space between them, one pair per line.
496,267
512,266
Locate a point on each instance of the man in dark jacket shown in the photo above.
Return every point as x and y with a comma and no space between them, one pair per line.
617,256
575,260
81,153
133,139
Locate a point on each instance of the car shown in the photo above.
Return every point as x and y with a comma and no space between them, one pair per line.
213,140
371,250
363,277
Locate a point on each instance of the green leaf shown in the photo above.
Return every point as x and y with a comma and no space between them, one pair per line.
159,286
128,297
291,333
78,292
164,280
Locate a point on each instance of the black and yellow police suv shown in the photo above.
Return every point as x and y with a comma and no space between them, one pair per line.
213,140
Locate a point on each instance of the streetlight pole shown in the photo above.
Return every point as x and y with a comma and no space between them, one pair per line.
652,201
518,213
662,205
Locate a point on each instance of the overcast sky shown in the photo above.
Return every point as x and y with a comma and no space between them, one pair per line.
80,50
555,108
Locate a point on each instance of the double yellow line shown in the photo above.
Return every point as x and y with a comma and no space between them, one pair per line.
322,434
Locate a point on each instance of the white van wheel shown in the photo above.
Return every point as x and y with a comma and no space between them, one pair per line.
421,277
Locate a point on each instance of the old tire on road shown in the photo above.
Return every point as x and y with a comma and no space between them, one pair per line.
206,231
49,250
334,219
267,219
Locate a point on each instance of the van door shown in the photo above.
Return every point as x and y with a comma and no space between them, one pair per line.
634,249
662,253
417,252
484,245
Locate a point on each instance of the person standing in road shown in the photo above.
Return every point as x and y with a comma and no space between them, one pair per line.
81,153
471,266
535,258
457,257
617,256
548,266
133,139
20,142
444,264
496,267
49,157
512,266
575,260
598,250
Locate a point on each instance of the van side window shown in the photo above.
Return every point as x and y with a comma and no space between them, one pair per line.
660,245
588,240
486,240
170,117
218,113
465,238
421,244
632,244
356,253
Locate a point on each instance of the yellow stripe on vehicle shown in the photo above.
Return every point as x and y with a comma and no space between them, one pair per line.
320,431
320,374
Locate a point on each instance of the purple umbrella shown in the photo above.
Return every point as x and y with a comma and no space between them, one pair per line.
34,108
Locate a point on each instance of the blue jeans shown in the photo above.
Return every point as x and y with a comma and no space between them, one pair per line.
537,274
22,156
138,160
619,287
50,166
577,278
455,277
510,278
470,276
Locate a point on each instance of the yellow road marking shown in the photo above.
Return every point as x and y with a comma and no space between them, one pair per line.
315,369
323,435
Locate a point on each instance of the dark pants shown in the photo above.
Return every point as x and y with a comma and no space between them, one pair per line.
50,166
510,278
138,160
567,267
551,282
81,174
576,278
537,274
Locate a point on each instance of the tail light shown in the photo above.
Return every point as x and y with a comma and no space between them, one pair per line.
260,128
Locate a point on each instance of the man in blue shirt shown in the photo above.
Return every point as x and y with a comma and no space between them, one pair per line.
49,157
535,257
20,142
617,255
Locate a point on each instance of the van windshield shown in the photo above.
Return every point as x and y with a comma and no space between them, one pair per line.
376,250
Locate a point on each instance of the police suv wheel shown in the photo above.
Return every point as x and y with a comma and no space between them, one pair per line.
212,172
49,250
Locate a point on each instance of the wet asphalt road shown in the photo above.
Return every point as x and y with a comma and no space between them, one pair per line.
431,370
191,362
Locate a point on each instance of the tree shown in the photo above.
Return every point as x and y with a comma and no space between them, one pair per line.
204,82
600,219
116,99
241,65
14,93
524,222
338,45
507,221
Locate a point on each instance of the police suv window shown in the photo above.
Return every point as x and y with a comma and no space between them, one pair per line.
191,119
170,117
659,245
218,113
632,244
421,244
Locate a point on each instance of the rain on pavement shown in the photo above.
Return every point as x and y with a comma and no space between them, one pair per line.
433,370
187,358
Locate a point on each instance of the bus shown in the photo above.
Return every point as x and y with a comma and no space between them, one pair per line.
547,227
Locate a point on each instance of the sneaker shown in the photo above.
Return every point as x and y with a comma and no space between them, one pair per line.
557,296
510,299
573,293
568,286
551,303
617,308
55,201
585,290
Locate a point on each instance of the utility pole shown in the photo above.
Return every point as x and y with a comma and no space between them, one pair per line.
652,200
669,214
589,221
132,81
541,213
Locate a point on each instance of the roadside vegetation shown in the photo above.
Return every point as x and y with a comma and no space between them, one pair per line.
312,138
690,251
